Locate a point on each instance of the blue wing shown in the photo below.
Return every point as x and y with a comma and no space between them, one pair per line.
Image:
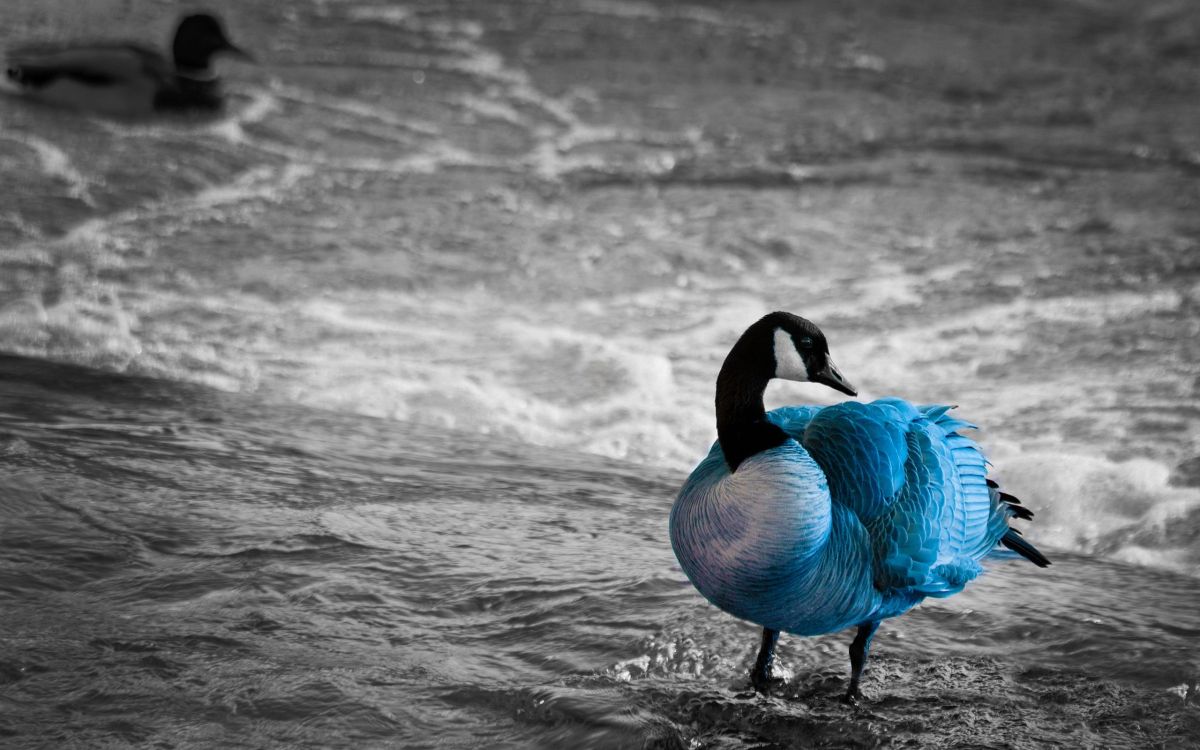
918,487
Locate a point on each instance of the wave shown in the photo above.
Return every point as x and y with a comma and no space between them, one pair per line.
55,163
1127,510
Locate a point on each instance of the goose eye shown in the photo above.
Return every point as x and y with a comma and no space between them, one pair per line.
806,342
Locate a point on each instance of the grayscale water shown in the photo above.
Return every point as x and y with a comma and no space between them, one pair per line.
352,418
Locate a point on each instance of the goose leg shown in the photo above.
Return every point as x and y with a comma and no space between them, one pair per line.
760,676
858,659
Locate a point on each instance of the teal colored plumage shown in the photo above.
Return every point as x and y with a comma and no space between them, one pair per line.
810,519
909,512
916,485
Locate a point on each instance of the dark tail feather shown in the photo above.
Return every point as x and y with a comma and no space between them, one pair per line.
1014,505
1023,548
1010,499
1020,511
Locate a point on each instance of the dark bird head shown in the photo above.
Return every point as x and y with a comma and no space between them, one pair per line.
801,352
198,38
778,345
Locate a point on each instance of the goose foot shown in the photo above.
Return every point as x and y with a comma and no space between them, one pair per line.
760,683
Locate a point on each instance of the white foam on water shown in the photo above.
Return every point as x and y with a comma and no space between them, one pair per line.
629,376
553,157
888,286
261,104
548,160
430,160
1122,509
493,374
56,163
90,326
356,108
491,109
989,334
406,17
480,62
624,9
263,182
633,10
396,15
231,128
1101,308
431,156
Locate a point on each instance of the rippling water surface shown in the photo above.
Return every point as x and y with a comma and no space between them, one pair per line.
352,417
188,568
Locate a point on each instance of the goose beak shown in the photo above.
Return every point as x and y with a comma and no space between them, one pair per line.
237,52
830,375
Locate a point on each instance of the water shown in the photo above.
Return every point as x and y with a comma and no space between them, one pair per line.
391,372
191,568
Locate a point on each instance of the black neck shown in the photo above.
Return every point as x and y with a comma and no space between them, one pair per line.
203,75
191,59
189,94
742,426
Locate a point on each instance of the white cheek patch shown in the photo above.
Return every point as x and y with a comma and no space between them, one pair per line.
788,364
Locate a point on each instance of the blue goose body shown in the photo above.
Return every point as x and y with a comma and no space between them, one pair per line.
765,544
809,519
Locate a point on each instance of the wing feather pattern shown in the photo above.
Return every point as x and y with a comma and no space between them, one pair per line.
918,487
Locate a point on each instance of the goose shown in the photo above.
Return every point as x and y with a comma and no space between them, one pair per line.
123,79
810,520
